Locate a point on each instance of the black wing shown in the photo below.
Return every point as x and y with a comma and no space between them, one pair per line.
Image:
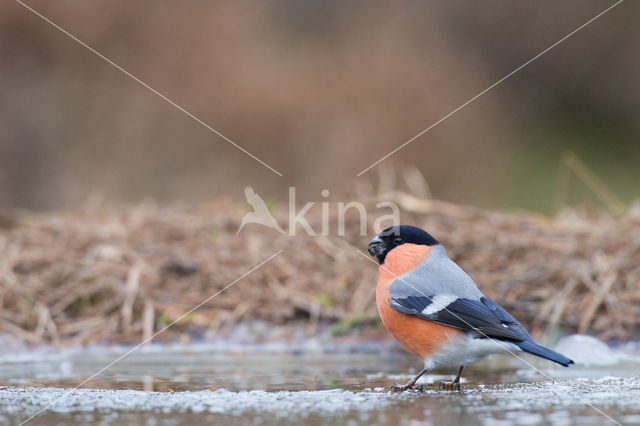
482,316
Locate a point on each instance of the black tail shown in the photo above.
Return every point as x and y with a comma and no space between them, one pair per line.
541,351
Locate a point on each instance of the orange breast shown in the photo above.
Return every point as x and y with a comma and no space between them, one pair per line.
422,337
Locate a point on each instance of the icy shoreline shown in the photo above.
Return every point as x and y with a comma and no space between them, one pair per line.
607,392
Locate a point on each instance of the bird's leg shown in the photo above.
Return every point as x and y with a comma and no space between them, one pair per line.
455,385
410,384
457,379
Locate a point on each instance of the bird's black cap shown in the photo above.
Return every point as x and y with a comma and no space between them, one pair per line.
394,236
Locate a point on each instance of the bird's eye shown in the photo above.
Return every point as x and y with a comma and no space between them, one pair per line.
397,240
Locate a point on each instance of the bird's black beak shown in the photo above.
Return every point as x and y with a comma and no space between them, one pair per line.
376,247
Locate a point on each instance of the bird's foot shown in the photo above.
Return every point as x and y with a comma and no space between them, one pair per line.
409,386
450,386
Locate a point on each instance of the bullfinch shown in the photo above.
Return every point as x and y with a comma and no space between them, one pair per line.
431,306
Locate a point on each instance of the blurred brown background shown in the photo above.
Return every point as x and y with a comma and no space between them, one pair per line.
319,90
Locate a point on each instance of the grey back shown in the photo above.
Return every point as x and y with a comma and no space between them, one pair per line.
437,275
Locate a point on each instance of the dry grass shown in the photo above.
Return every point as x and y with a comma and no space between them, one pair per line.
101,273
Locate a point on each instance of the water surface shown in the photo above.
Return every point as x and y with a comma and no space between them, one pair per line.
315,384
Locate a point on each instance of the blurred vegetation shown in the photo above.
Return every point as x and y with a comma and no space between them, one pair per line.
122,274
319,90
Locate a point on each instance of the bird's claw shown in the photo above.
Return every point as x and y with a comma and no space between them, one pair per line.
401,388
450,386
